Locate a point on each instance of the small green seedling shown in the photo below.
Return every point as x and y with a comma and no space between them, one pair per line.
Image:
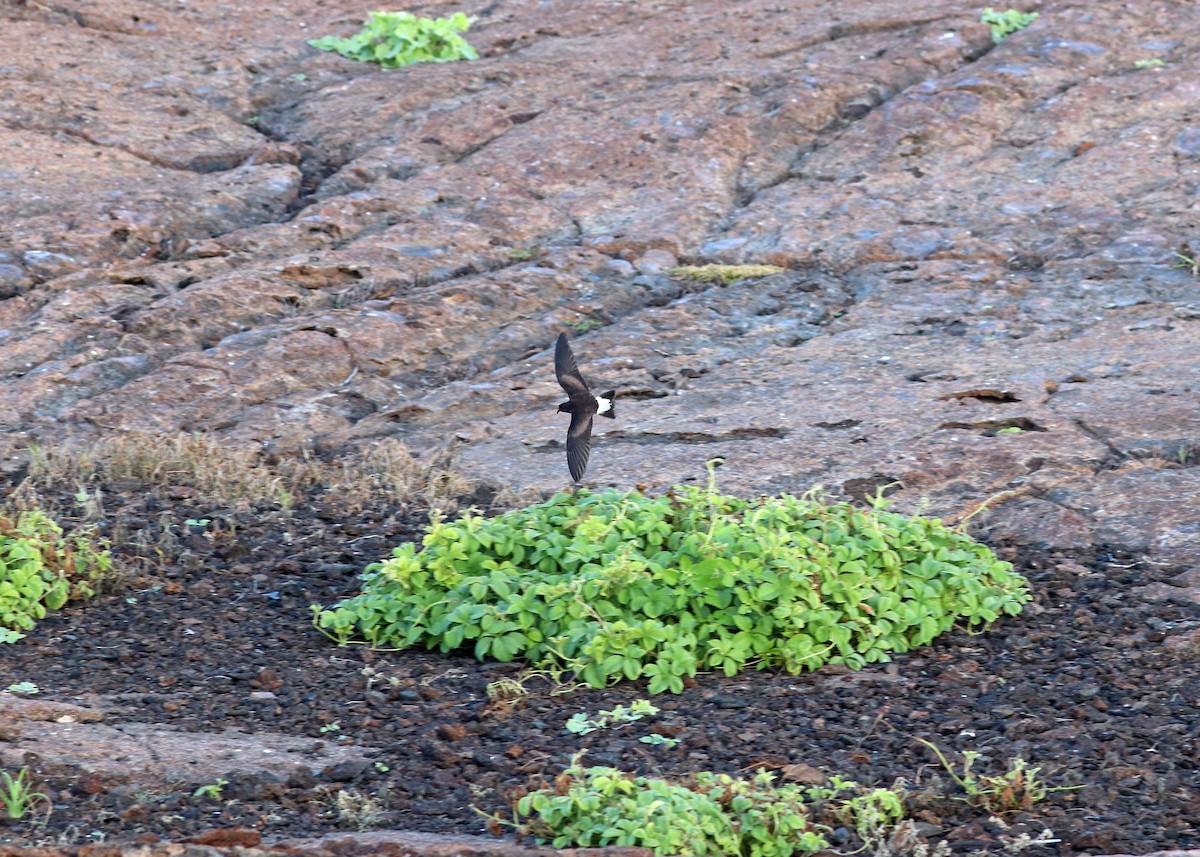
17,797
822,793
656,740
522,254
397,39
581,724
26,688
1153,62
1006,23
1018,788
212,790
585,325
872,814
1010,430
197,523
335,726
1188,263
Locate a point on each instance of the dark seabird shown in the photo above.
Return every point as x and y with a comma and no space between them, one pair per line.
582,407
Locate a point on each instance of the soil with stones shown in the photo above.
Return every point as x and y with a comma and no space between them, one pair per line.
214,637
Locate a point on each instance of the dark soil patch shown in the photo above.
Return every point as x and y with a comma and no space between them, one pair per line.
1080,685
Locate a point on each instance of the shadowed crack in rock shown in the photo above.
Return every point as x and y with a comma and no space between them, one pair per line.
694,436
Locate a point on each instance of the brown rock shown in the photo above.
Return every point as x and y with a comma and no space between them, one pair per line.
802,773
1183,644
452,731
228,837
16,708
268,679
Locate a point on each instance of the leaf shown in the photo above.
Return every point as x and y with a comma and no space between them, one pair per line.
454,637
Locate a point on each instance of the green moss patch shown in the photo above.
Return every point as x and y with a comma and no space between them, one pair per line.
724,274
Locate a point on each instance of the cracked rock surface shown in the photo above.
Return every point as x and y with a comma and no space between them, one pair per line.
290,249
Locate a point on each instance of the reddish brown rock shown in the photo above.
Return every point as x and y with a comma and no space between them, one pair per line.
228,837
15,709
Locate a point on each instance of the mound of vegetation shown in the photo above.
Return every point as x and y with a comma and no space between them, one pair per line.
619,585
41,569
707,814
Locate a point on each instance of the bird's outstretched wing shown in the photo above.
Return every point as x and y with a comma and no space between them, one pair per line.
568,372
579,444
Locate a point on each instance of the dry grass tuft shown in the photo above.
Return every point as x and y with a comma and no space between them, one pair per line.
387,468
358,810
245,476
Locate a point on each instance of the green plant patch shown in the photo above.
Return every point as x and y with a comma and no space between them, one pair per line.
724,274
41,569
1018,788
17,797
397,39
623,586
705,814
621,715
1007,22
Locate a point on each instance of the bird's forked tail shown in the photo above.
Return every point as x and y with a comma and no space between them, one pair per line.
611,410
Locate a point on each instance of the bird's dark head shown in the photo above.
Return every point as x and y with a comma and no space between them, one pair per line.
566,408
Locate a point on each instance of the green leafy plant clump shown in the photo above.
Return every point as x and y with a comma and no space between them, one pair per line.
41,569
397,39
619,585
706,814
1006,23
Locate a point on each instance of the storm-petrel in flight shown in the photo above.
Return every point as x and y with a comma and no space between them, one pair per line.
582,407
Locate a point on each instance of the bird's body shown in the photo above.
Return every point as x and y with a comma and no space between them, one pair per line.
582,406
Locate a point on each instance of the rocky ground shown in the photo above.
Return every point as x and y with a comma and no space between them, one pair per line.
204,670
207,226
